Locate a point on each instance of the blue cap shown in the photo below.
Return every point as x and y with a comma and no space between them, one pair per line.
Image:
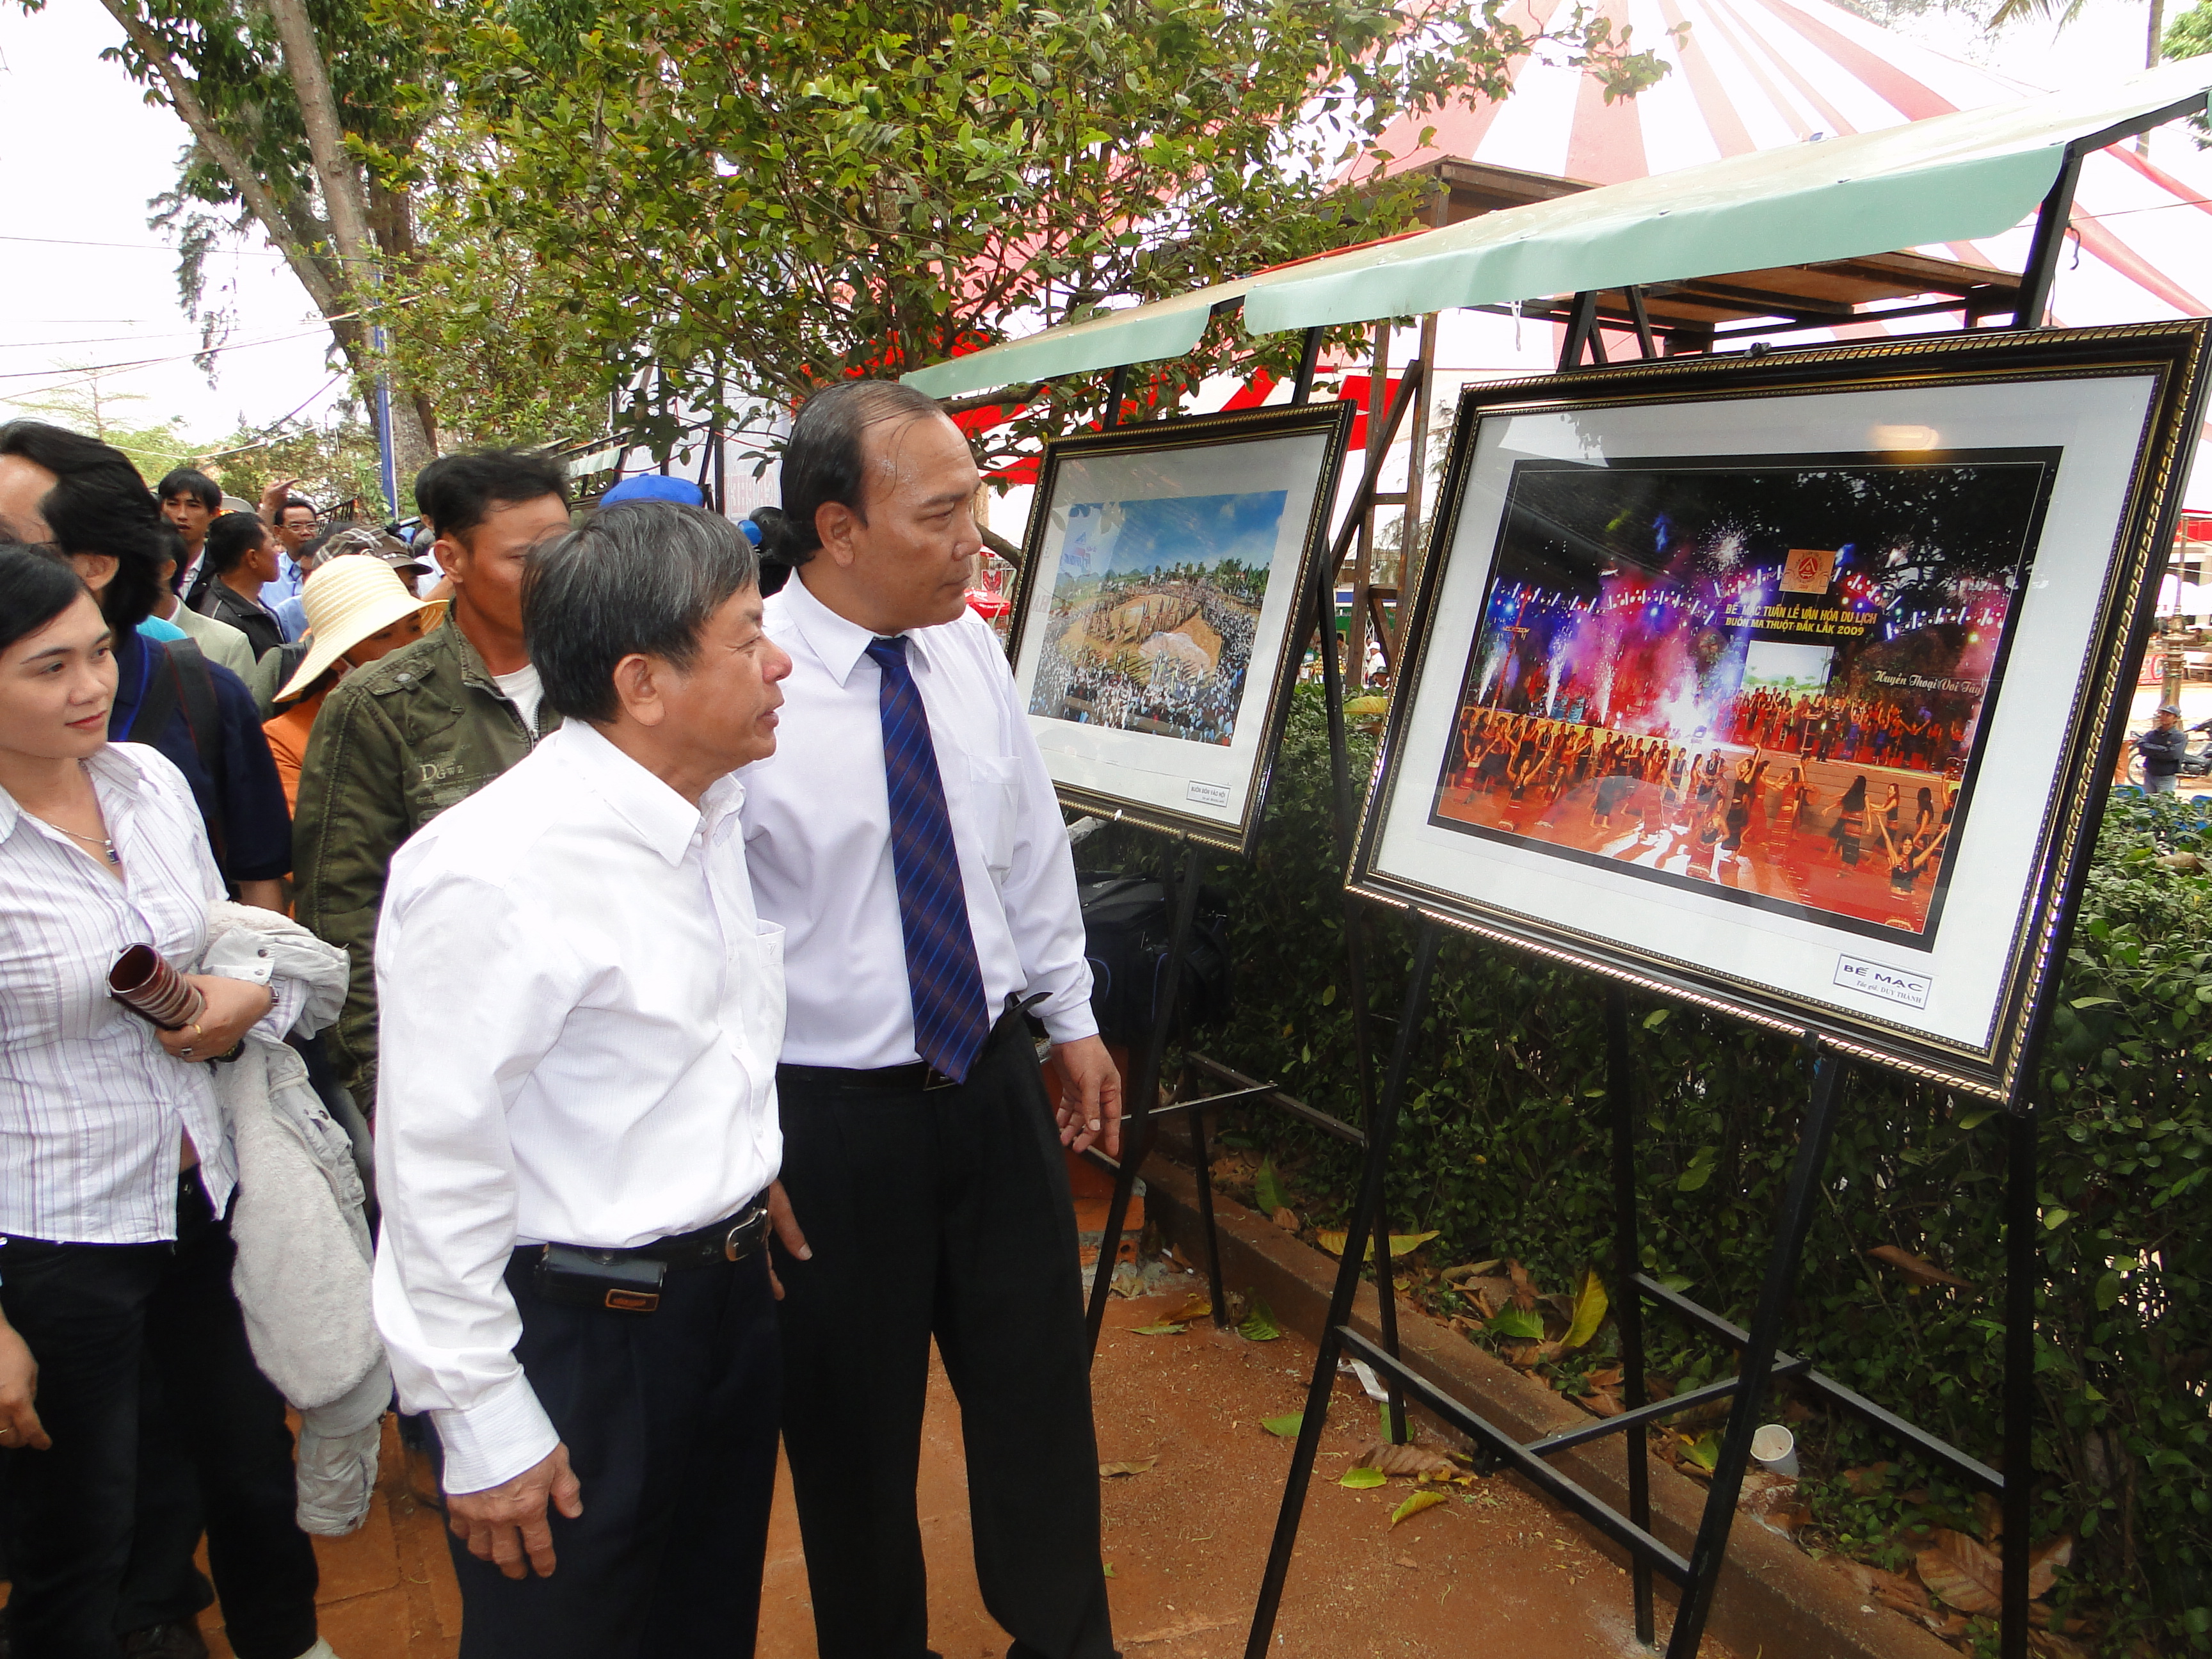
654,487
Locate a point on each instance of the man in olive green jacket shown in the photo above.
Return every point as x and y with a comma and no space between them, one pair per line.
398,742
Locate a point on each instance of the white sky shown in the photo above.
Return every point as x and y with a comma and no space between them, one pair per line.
80,155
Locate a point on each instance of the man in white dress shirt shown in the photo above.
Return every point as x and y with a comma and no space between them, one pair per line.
576,1134
907,838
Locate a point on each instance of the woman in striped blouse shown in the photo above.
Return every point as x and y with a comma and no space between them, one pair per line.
119,1337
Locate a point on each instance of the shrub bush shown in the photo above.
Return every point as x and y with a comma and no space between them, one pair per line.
1503,1145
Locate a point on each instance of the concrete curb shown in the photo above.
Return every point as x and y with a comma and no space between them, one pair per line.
1773,1599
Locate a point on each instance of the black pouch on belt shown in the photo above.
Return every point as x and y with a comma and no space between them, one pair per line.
599,1278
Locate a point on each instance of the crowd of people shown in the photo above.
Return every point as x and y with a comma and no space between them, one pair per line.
1724,802
592,881
1177,692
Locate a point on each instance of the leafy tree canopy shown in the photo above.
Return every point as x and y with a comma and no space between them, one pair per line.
755,201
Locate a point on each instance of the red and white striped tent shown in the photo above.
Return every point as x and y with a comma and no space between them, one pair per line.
1752,75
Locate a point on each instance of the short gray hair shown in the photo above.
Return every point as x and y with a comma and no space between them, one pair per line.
639,579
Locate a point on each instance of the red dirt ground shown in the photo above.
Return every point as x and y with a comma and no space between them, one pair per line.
1492,1570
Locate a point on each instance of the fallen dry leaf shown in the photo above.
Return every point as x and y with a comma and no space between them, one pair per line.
1405,1459
1963,1571
1524,1288
1469,1270
1414,1506
1988,1517
1286,1217
1600,1402
1108,1471
1871,1479
2043,1565
1587,1311
1490,1294
1916,1269
1196,1308
2055,1646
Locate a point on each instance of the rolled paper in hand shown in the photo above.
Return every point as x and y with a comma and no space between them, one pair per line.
143,981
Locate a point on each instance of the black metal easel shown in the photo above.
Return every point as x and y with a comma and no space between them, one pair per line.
1142,1104
1762,1359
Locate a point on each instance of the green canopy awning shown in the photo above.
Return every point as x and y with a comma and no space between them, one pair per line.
1950,178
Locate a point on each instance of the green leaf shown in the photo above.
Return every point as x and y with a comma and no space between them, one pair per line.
2108,1289
1364,1479
1590,1304
1260,1324
1157,1330
1269,1189
1655,1019
2055,1219
1677,1283
1286,1426
1524,1323
1107,1567
1426,1499
1704,1451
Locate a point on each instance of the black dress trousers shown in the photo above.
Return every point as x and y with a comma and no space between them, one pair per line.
111,1326
670,1418
947,1213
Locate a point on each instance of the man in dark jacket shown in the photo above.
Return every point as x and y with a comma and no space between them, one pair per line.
400,741
2162,748
242,552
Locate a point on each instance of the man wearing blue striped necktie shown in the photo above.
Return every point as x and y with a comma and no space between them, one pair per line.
906,836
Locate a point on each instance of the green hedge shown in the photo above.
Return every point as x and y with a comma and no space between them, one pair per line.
1504,1150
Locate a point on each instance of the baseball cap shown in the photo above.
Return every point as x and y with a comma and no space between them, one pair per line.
654,487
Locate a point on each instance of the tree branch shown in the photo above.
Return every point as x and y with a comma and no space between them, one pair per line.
259,199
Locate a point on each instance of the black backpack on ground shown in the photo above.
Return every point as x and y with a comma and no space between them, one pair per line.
1127,922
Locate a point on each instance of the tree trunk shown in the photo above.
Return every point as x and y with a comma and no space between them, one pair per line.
414,442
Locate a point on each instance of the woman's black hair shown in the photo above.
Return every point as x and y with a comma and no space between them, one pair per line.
231,537
822,463
37,583
98,504
1855,796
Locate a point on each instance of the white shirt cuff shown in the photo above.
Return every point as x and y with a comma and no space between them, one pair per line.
1079,1020
495,1439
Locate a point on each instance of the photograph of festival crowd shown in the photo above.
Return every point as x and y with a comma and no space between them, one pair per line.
1154,607
1767,677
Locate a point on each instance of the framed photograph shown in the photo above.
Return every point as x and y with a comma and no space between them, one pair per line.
1156,615
1790,685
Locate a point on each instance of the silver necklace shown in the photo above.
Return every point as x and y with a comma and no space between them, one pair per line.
105,846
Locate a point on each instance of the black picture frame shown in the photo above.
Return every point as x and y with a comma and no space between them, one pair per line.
1131,775
2043,715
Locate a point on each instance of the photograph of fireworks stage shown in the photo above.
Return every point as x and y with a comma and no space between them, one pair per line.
1766,676
1153,610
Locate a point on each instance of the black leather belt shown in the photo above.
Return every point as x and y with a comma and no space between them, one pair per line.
733,1238
914,1078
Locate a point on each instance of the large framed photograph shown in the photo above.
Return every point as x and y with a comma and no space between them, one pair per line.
1156,616
1789,685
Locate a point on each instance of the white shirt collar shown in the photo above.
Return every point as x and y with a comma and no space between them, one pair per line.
837,642
118,771
663,819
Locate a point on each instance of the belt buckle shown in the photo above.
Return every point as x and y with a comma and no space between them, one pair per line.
744,1235
932,1079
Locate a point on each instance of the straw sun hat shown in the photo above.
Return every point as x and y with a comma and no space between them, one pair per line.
348,599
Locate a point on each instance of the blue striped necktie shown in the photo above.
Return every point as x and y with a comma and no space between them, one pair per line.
951,1019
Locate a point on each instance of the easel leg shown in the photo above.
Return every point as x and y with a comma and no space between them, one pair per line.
1355,966
1382,1130
2022,1269
1202,1157
1143,1095
1627,1303
1756,1371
